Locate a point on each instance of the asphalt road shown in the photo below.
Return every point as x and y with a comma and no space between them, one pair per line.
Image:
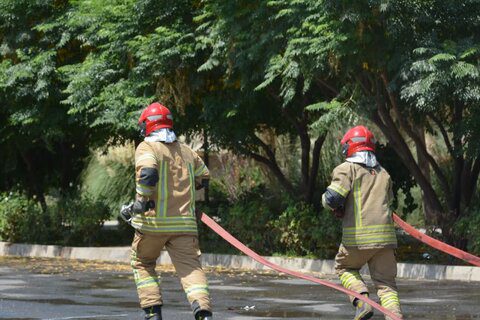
57,289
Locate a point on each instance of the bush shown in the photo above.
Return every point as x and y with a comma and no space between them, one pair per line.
74,221
468,229
303,231
110,176
247,219
82,219
22,220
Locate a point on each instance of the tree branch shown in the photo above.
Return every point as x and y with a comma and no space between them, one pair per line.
322,83
444,133
317,147
271,162
384,121
421,147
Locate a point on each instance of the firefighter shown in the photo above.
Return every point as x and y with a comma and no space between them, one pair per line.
167,174
360,194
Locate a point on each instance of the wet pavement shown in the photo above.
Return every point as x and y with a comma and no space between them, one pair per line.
58,289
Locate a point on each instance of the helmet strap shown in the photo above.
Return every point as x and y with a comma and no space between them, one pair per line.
143,129
345,147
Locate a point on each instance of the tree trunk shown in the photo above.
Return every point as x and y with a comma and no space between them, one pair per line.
35,187
314,169
206,153
425,168
384,121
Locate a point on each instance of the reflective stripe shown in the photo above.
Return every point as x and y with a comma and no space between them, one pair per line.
389,299
196,289
133,259
191,176
164,220
144,190
375,226
162,190
357,202
166,229
192,230
376,234
145,156
338,189
350,278
165,189
147,282
380,241
200,170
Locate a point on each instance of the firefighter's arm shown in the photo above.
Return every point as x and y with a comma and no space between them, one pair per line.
146,177
337,192
202,174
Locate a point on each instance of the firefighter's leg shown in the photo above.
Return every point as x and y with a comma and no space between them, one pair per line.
348,263
383,269
145,251
185,254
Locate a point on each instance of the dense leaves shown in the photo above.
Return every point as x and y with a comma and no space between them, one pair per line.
255,78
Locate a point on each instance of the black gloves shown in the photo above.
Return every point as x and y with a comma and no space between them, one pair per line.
339,212
141,206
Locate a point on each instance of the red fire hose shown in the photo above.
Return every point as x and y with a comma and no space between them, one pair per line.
240,246
434,243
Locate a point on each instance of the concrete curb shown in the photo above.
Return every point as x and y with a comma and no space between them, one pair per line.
122,254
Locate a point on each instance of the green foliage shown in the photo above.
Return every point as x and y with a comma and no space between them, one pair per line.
467,229
248,218
110,176
304,231
68,221
82,218
21,219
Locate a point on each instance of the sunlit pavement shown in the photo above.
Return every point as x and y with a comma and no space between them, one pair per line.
60,289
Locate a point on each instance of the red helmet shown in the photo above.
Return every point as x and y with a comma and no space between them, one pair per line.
154,117
357,139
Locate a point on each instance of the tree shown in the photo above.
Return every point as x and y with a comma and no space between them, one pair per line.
413,67
269,80
36,129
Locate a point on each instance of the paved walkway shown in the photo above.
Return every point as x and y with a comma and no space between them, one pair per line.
67,289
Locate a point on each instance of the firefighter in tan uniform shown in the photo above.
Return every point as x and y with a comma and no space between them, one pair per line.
167,174
360,194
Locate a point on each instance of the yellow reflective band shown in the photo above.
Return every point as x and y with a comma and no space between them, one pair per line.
165,202
162,190
191,176
164,220
166,229
372,241
391,300
144,190
197,289
369,229
171,224
338,189
200,170
357,202
145,156
348,278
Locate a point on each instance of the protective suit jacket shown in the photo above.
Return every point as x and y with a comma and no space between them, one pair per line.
364,193
168,173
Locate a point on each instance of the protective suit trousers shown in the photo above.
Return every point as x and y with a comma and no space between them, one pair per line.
184,252
383,270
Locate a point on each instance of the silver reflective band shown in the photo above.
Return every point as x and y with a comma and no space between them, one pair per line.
153,118
359,139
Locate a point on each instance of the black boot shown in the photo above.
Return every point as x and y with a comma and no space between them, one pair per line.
153,313
363,311
203,315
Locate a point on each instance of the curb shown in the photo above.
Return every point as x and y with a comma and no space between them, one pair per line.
122,254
